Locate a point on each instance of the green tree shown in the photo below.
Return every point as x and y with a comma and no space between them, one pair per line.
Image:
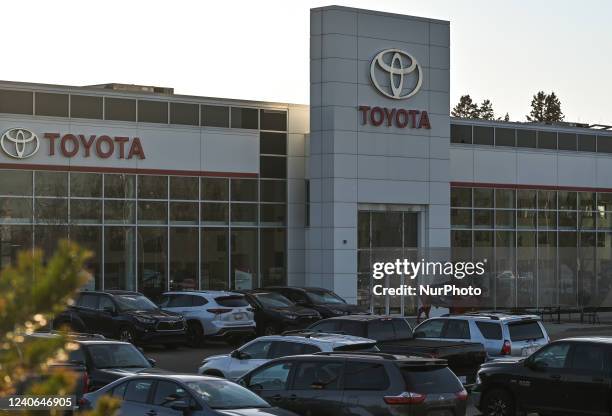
507,117
553,108
485,111
545,108
538,107
31,293
466,108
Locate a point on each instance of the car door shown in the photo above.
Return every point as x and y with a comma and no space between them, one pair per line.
87,311
280,349
364,387
540,385
136,398
166,395
107,311
586,386
180,303
271,382
430,329
315,389
252,355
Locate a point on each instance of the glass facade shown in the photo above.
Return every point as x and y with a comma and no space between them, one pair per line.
548,248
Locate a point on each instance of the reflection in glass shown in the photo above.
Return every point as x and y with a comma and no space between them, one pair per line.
273,252
273,213
244,189
215,258
184,258
51,210
91,239
547,269
273,191
215,189
16,210
244,214
119,186
385,229
483,197
119,212
119,258
506,276
152,187
568,269
85,211
47,237
215,213
87,185
504,198
184,187
51,183
483,218
152,261
16,182
13,240
152,212
461,197
183,213
244,259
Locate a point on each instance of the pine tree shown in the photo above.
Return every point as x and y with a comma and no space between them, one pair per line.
553,111
538,107
507,117
485,112
466,108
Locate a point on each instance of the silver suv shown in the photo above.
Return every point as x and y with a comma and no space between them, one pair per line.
212,314
263,349
500,334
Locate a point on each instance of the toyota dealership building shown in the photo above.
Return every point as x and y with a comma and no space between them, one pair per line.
181,192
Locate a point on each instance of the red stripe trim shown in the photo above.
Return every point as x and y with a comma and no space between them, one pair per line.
523,186
99,169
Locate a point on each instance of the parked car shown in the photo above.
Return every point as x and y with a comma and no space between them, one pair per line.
567,377
501,334
98,361
394,336
174,395
324,301
263,349
376,327
212,314
332,384
124,315
274,313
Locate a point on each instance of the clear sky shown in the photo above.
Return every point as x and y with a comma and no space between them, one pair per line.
258,49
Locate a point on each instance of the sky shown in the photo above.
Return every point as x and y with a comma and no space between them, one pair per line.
504,51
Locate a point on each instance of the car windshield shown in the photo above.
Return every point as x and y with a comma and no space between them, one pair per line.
222,394
117,356
321,297
273,300
134,303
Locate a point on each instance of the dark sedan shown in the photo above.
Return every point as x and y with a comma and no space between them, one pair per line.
173,395
324,301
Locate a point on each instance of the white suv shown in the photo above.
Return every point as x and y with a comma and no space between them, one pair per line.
263,349
212,315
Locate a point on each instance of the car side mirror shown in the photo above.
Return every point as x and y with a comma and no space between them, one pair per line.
152,361
180,406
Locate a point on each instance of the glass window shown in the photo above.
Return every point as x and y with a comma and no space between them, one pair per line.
13,240
153,111
244,118
587,142
586,201
286,348
16,182
51,183
589,357
504,198
183,213
604,201
461,218
427,380
505,137
47,237
119,258
273,167
604,144
567,200
16,210
138,391
547,140
244,189
168,393
525,330
567,141
457,329
119,186
552,356
244,259
273,143
184,258
215,258
461,197
547,200
483,218
526,219
120,109
86,106
119,212
119,391
430,329
215,116
504,219
152,257
273,120
85,211
526,199
16,102
183,187
381,330
483,197
363,229
88,185
186,114
318,375
461,133
88,301
365,376
274,377
152,212
483,135
385,230
257,350
152,187
273,214
273,251
215,189
525,138
273,191
106,303
91,239
567,220
587,220
49,104
51,210
215,213
490,330
547,219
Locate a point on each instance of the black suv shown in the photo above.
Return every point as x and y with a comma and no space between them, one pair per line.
567,377
369,384
376,327
324,301
275,314
127,316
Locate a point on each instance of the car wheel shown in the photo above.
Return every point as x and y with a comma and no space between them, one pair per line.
195,334
270,330
126,334
498,403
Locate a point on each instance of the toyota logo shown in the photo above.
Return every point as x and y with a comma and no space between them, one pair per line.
19,143
396,66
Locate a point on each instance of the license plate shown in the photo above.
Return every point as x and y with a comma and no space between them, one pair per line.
239,316
463,379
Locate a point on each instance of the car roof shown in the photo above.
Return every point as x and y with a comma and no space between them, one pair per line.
601,340
363,318
111,292
492,316
203,292
176,376
369,356
301,288
319,337
81,338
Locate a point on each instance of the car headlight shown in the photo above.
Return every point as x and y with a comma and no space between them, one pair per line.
290,316
144,320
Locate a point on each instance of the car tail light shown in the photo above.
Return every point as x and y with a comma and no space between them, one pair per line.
84,403
406,398
219,311
462,395
506,348
85,382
